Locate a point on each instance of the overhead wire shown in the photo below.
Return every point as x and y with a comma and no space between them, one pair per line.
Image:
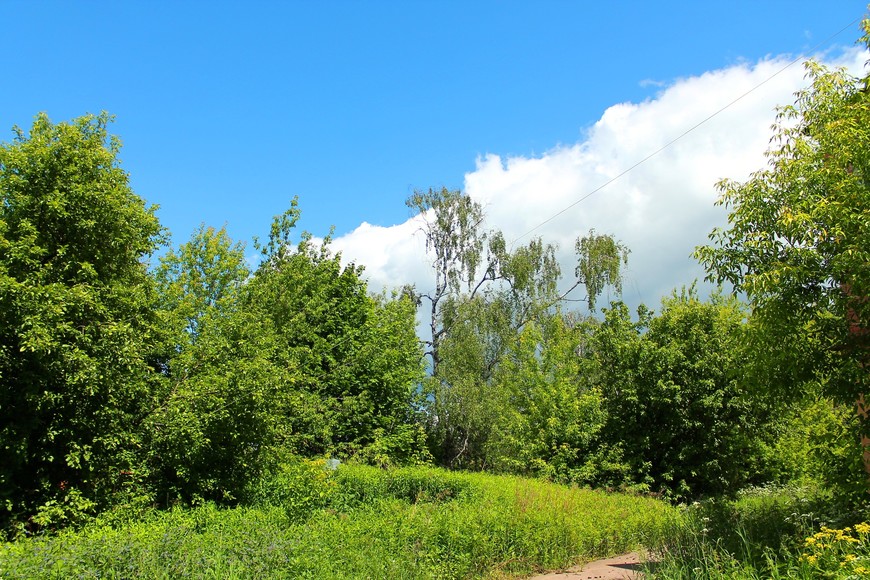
586,196
670,143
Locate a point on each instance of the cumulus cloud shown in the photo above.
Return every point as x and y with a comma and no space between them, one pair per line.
392,256
661,209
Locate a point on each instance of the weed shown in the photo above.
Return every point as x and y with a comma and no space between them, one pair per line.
369,523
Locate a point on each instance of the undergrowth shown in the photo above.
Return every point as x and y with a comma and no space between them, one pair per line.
356,522
788,532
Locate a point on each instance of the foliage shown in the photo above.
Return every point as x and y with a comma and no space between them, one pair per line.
453,234
202,279
203,383
465,404
485,293
550,421
798,236
118,385
412,523
216,415
673,396
355,358
598,266
815,445
390,365
798,242
76,325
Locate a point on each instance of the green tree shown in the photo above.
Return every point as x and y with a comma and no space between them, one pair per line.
356,357
484,294
389,367
599,264
76,324
217,417
464,402
452,226
550,419
675,396
203,278
798,240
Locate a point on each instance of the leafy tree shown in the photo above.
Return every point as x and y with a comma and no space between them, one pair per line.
484,294
76,324
469,259
389,366
203,278
464,403
356,358
599,264
452,226
798,241
217,413
675,398
549,421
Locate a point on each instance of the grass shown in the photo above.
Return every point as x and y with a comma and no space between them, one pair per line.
766,533
358,522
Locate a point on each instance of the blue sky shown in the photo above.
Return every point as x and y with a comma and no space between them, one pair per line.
228,110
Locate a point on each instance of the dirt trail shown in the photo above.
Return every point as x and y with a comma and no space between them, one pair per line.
624,567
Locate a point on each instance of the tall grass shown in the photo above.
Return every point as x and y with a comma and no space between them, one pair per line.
358,522
766,533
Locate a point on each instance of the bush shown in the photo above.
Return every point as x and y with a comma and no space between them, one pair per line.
360,484
765,533
300,486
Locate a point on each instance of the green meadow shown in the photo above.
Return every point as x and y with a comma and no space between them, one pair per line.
356,522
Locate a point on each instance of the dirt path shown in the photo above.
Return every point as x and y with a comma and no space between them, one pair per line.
625,567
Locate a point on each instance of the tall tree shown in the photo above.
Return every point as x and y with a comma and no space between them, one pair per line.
798,241
356,358
484,294
675,397
453,229
76,325
550,419
217,414
202,278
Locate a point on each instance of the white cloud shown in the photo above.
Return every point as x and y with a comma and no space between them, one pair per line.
392,256
661,209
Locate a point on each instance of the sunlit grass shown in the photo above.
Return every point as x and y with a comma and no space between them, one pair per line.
766,533
358,523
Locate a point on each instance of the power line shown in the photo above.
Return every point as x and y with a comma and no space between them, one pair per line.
686,132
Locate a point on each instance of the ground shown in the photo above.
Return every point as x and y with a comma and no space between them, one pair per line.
624,567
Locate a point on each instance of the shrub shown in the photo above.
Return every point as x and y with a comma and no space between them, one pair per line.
300,486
